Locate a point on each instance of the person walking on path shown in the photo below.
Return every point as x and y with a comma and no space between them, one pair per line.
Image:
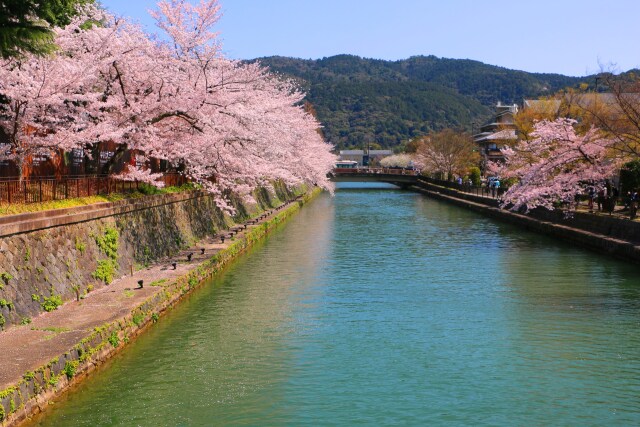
612,200
602,197
591,193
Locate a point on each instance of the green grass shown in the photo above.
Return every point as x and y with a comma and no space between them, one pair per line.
55,329
14,209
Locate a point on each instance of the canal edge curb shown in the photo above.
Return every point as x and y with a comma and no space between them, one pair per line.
611,246
31,395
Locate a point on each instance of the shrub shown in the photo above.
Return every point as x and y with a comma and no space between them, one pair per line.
113,339
630,176
105,271
474,175
108,243
51,303
70,368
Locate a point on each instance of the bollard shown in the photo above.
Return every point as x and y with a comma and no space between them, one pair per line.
189,256
222,238
174,264
202,251
140,284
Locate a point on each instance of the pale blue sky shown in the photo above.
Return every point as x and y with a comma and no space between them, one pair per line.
571,37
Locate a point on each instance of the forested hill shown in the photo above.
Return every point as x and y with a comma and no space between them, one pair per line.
361,100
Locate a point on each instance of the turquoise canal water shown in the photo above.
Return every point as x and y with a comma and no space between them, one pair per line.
381,307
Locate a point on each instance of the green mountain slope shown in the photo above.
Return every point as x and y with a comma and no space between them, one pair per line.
361,100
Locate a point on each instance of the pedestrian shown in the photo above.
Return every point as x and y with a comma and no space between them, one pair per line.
591,194
602,194
633,204
612,200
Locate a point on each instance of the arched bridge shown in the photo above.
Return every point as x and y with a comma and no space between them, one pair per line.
401,177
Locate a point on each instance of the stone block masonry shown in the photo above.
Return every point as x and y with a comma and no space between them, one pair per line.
47,258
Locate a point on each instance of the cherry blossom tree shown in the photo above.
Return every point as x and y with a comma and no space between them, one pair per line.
234,126
398,160
447,153
555,164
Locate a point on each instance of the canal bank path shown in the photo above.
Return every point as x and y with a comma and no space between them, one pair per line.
28,347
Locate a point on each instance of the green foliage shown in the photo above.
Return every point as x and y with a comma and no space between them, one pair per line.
193,281
360,100
5,277
25,25
35,297
474,175
138,318
80,246
5,303
146,253
70,368
155,317
113,339
25,321
2,321
630,177
148,189
27,255
54,329
51,303
105,270
158,282
108,243
53,381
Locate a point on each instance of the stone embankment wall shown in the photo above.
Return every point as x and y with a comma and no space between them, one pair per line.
610,235
51,257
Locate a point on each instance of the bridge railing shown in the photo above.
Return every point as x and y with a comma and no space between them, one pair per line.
376,171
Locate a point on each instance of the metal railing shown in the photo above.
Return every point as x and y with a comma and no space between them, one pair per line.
369,171
44,189
480,191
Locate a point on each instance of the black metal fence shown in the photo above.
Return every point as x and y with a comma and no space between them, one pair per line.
43,189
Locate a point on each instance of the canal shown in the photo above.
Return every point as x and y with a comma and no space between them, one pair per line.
381,307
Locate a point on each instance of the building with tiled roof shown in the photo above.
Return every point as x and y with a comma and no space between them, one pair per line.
497,133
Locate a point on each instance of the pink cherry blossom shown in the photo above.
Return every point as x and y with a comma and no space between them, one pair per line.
233,125
555,165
